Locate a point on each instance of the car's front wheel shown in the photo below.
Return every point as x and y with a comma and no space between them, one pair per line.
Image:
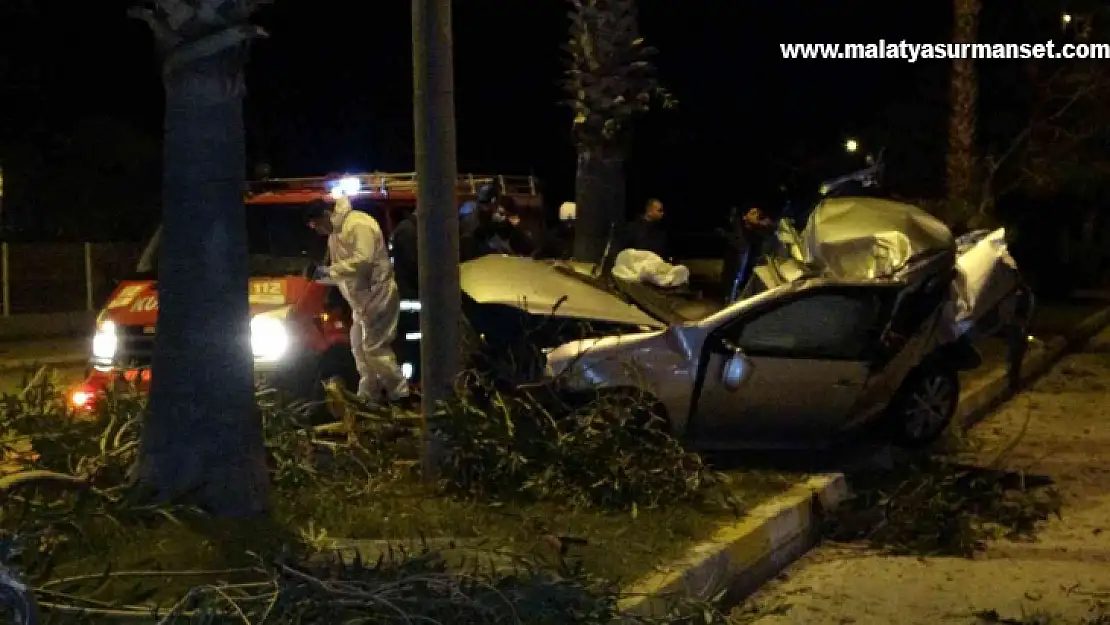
924,406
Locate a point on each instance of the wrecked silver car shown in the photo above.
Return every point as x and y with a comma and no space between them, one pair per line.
865,314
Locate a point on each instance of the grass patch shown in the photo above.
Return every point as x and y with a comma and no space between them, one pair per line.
608,544
582,497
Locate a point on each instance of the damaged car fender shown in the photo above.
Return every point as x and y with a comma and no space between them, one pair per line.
663,363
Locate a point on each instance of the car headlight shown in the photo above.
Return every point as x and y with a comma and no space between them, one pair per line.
105,342
269,338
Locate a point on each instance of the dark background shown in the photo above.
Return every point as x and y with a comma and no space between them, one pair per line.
330,90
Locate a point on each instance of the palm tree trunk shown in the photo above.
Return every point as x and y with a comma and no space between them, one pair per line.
962,121
202,437
600,198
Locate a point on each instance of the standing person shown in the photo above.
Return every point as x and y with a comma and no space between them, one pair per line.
482,239
558,241
646,232
405,256
746,242
406,270
474,218
736,255
361,269
517,239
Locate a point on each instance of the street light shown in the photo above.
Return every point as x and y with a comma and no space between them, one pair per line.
1065,18
851,146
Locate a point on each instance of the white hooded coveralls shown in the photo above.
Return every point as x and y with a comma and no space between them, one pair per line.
361,269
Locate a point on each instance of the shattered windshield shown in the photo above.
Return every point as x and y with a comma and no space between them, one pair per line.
668,305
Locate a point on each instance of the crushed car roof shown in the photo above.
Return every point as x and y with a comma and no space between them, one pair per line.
860,238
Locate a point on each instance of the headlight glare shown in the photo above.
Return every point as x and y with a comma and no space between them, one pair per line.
269,338
105,341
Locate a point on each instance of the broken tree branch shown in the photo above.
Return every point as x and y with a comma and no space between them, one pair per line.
163,34
994,164
210,46
172,21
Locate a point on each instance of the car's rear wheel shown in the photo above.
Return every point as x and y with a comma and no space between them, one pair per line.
924,406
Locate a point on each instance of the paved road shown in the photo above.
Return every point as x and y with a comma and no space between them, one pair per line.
1063,573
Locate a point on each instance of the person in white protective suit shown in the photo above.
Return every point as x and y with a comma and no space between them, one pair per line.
360,267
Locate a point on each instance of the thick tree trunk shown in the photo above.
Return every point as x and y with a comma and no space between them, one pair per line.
962,120
202,437
600,198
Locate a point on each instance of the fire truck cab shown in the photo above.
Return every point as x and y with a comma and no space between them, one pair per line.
299,327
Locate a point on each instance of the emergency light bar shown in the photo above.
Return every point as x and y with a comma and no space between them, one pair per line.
401,186
349,185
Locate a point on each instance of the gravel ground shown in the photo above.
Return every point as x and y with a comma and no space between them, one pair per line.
1062,573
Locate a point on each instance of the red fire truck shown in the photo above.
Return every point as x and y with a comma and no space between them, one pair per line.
299,328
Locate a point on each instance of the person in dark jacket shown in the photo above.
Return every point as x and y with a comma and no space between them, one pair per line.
474,220
746,240
498,231
517,238
480,238
646,232
558,241
405,256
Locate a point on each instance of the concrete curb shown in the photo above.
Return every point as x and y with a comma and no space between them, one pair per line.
740,558
25,364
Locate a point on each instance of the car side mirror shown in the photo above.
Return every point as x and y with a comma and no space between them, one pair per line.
737,368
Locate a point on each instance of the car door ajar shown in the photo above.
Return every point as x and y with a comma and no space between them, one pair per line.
809,358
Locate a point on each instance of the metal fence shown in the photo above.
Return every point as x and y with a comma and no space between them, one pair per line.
62,277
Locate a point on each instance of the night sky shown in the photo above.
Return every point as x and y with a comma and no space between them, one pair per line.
331,89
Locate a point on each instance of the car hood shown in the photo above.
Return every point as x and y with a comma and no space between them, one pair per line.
542,288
